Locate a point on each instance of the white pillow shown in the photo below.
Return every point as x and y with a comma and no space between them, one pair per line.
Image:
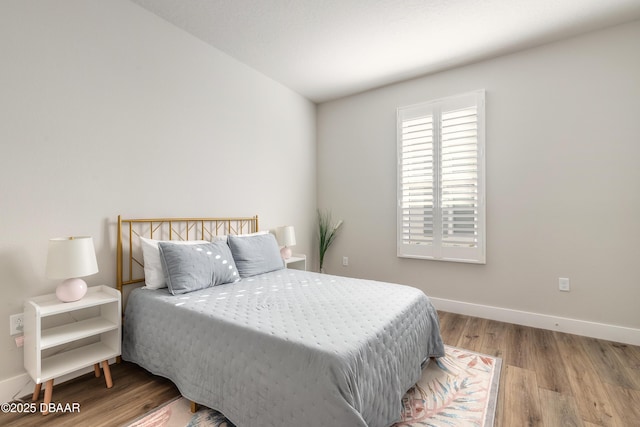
153,274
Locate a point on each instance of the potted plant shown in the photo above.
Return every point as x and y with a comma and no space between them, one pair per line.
327,232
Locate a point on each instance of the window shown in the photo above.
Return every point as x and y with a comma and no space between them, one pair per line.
441,203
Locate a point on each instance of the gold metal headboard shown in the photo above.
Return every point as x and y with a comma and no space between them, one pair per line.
129,252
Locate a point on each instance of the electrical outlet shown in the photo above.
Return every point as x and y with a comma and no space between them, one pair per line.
345,261
16,324
563,284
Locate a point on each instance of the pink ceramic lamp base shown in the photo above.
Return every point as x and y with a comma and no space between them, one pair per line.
71,290
285,253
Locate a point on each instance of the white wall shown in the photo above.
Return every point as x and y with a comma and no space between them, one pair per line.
106,109
563,182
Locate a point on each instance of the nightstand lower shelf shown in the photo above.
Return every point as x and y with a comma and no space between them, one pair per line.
72,360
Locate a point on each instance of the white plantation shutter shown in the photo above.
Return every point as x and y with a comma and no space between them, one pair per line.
441,179
417,170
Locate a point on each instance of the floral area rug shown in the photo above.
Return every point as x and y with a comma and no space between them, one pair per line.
459,390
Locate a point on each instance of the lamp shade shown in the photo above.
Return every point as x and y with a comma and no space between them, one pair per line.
70,257
287,236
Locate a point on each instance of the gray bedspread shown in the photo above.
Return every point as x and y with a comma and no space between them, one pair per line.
288,348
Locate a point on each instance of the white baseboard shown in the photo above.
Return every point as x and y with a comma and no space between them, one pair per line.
22,385
17,386
603,331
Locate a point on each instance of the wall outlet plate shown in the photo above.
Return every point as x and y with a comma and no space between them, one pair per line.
563,284
16,324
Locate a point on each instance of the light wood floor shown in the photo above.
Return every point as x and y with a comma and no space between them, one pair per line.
548,379
134,393
554,379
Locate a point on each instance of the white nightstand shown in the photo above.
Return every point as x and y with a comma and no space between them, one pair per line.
297,262
49,352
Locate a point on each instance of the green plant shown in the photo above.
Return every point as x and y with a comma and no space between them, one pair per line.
327,232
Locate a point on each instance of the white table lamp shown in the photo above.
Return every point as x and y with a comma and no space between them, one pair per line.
286,237
70,258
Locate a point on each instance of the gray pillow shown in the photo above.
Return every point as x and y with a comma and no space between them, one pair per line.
188,268
255,254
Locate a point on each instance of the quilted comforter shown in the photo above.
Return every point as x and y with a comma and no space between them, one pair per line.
288,348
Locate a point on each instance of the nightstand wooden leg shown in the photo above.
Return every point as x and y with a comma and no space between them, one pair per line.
194,407
107,373
96,370
36,392
48,392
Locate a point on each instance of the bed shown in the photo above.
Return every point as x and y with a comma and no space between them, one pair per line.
281,347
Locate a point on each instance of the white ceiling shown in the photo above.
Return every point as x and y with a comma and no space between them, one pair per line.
326,49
